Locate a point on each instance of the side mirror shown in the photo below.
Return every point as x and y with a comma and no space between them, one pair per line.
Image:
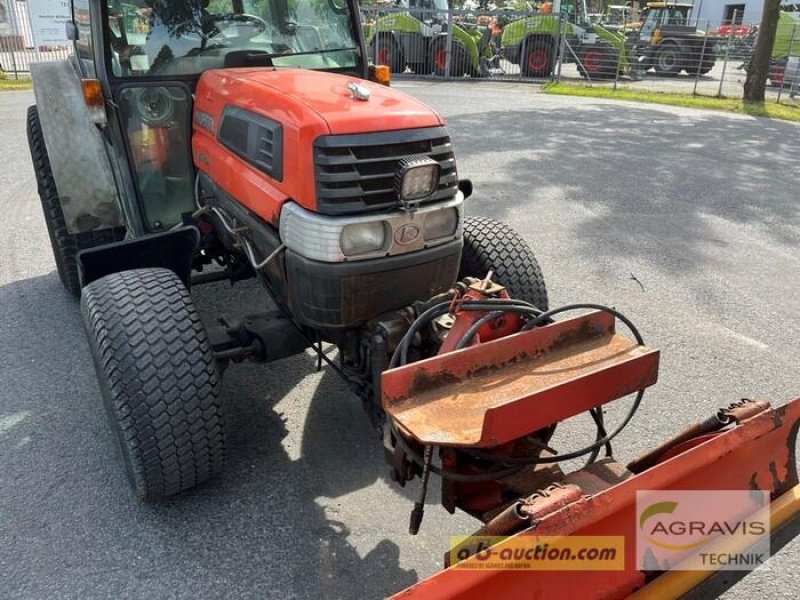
72,31
465,187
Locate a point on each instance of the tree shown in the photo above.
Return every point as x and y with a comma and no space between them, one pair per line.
758,70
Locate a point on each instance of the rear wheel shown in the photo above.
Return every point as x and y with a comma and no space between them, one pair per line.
537,58
706,67
385,52
598,62
158,378
64,244
490,245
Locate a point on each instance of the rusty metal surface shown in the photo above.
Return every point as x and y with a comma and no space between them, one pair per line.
759,453
496,392
533,477
734,413
521,513
502,326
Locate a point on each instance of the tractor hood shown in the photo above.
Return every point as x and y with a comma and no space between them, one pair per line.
327,96
255,130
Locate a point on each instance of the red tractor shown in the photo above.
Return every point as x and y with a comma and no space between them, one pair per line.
188,142
181,146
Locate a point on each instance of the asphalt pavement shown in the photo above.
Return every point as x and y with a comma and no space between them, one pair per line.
686,221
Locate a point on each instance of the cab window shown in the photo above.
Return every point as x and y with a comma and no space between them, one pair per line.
186,37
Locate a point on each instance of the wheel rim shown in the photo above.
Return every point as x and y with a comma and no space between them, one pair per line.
538,59
667,60
591,61
441,59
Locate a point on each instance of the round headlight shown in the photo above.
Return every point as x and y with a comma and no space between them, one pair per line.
362,238
155,106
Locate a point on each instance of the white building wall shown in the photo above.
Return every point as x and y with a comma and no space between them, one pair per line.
713,11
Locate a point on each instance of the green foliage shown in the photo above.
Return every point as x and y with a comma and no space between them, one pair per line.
9,84
771,110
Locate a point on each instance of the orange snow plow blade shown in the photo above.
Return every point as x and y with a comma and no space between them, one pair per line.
747,446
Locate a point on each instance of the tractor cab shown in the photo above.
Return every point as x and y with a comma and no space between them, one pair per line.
147,56
655,15
667,42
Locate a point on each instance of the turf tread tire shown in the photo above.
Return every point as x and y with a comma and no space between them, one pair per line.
491,245
159,380
65,245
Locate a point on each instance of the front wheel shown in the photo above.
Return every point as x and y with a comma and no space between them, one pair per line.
490,245
158,378
668,60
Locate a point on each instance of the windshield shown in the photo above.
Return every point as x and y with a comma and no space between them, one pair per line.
186,37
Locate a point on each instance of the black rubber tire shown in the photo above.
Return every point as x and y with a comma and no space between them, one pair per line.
490,245
598,62
423,68
537,57
158,378
65,245
386,43
459,61
668,60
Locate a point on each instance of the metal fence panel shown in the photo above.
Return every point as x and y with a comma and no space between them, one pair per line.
437,43
537,46
17,46
513,45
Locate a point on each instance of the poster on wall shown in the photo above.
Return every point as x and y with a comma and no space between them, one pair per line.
48,21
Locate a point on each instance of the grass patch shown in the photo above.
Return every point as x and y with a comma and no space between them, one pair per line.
8,83
772,110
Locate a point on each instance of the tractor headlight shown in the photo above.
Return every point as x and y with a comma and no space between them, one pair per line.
155,106
417,177
335,239
362,238
440,224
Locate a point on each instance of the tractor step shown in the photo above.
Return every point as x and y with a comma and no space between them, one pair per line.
492,393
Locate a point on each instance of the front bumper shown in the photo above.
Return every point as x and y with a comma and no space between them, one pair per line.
341,295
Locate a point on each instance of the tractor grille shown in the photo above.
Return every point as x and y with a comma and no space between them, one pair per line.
356,172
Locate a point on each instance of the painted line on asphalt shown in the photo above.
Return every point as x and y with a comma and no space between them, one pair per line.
742,338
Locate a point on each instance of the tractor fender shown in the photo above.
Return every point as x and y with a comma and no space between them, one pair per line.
76,150
173,250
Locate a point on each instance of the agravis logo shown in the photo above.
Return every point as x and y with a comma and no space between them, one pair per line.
659,531
658,527
719,527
